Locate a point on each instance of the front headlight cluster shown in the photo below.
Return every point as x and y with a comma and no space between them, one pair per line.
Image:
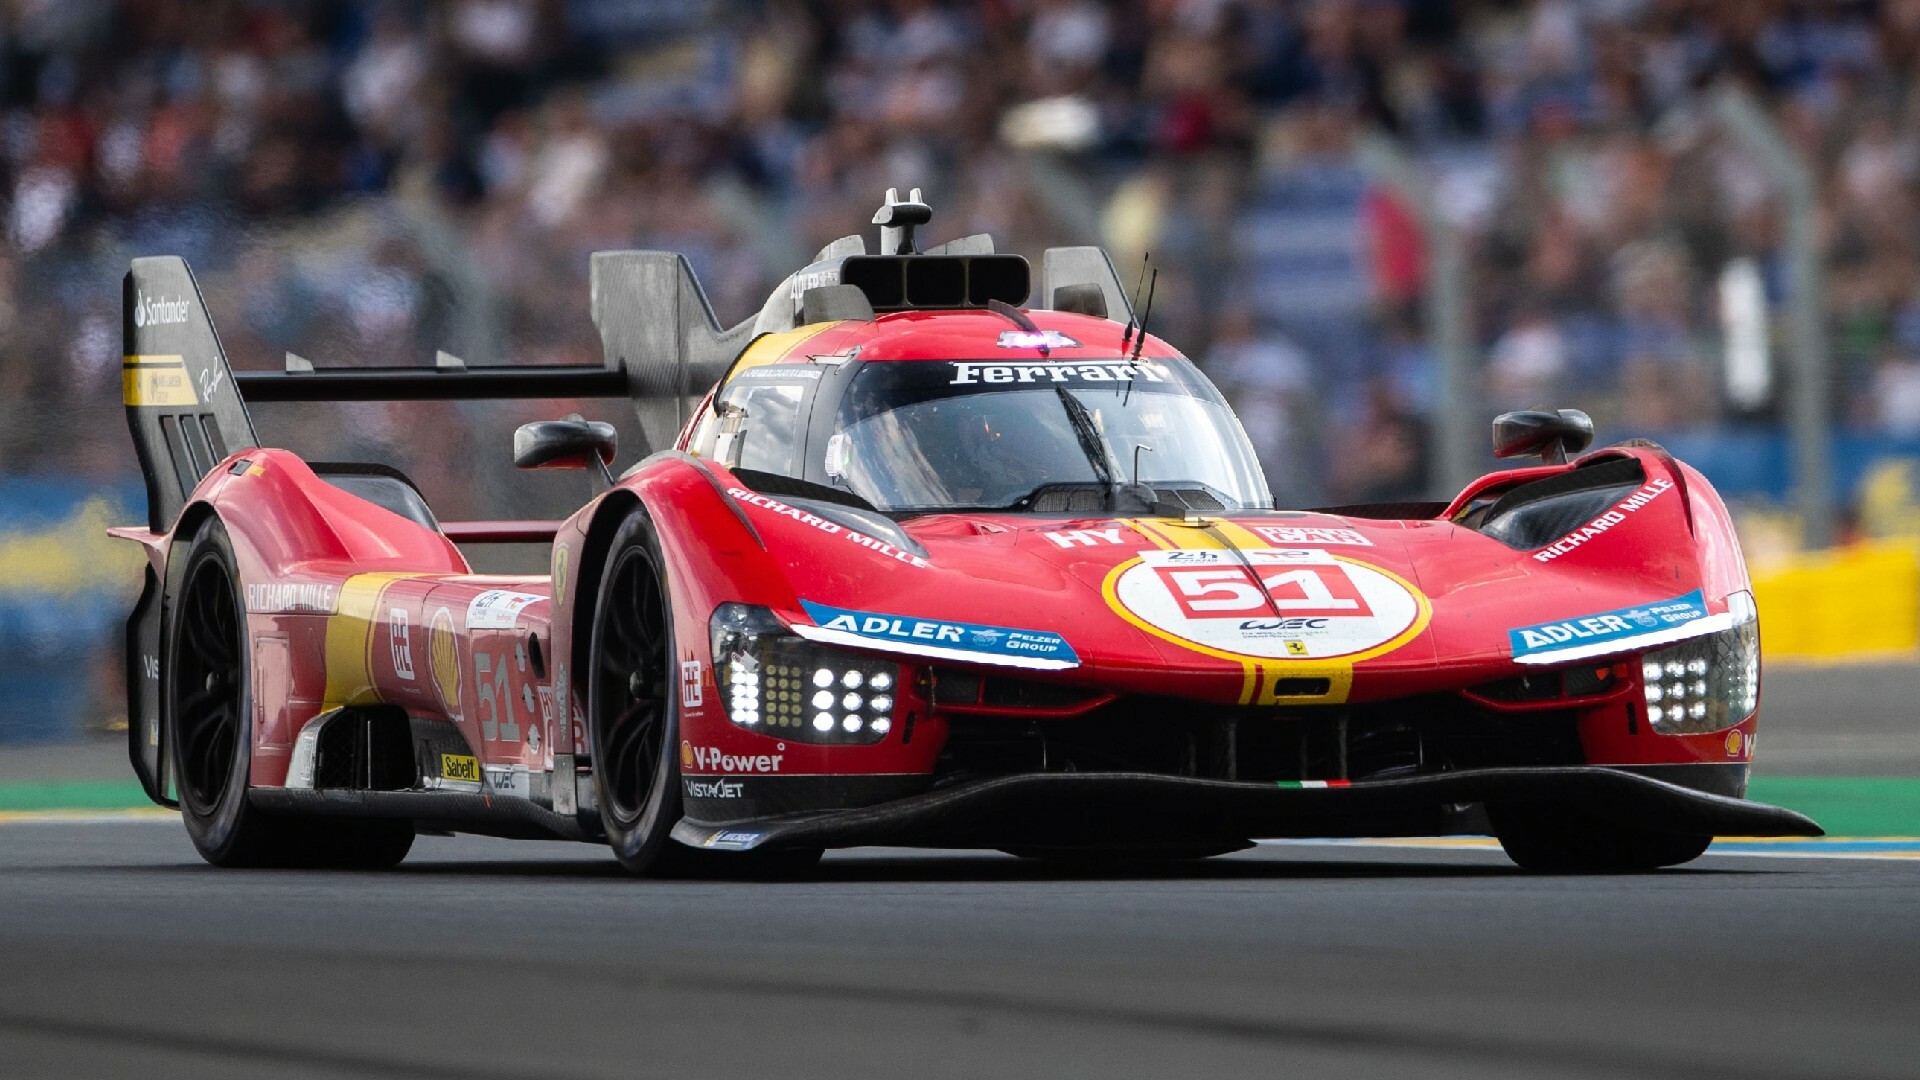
780,684
1708,683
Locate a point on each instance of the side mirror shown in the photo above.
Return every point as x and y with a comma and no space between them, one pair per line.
564,444
1551,434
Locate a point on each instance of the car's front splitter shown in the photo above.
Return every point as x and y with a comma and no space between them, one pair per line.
1106,809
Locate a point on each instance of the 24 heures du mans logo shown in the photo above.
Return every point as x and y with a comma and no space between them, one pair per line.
157,310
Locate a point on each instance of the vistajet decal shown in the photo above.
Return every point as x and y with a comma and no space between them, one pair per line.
1603,627
1608,520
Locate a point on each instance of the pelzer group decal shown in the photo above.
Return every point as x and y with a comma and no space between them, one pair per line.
1267,603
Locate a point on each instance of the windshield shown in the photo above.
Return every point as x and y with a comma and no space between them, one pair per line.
993,434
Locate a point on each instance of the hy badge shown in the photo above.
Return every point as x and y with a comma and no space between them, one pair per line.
1608,626
941,637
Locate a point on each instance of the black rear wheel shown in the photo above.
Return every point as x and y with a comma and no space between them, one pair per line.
634,709
1554,839
207,703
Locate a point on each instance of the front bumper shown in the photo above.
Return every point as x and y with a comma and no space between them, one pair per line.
1110,809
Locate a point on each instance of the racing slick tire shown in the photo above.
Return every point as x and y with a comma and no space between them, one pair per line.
208,702
633,723
633,704
1550,839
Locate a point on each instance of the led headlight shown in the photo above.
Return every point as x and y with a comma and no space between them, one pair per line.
781,684
1708,683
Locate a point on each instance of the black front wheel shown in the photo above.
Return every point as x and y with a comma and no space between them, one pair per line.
633,705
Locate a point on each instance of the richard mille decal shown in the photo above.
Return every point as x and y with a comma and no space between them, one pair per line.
1280,603
1605,521
294,596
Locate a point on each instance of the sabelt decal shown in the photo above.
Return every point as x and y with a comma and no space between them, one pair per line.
443,660
946,636
1608,520
1280,603
706,759
1604,627
460,767
499,609
160,381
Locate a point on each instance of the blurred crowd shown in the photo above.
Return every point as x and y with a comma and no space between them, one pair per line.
369,181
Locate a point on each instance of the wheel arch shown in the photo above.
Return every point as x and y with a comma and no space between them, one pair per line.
607,517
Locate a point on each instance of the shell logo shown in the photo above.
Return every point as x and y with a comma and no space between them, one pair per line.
443,660
686,754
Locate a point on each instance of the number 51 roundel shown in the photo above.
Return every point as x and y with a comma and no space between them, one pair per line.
1279,603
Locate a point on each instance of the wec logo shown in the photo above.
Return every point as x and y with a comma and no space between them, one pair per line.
157,311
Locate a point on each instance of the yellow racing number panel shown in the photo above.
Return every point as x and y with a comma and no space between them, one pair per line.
162,381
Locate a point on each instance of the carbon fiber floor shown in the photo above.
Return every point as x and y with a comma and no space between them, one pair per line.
477,959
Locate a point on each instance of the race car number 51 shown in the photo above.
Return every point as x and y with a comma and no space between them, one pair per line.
1313,590
1291,603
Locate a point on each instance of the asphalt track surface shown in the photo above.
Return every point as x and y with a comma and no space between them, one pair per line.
121,955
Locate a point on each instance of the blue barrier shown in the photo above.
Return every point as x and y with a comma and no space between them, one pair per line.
65,590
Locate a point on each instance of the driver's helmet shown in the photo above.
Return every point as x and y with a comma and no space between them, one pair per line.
993,444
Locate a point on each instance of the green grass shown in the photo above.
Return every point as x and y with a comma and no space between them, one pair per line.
1847,806
72,795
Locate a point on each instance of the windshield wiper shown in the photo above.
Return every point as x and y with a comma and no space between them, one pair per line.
1092,443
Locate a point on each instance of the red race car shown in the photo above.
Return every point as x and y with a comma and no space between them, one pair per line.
923,567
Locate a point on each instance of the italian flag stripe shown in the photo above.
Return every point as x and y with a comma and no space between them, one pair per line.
1312,783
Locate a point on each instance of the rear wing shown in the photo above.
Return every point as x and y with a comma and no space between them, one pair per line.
187,407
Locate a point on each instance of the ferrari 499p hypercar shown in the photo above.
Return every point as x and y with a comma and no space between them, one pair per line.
914,563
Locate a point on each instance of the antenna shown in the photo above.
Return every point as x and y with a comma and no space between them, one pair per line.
1147,313
1134,307
897,220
